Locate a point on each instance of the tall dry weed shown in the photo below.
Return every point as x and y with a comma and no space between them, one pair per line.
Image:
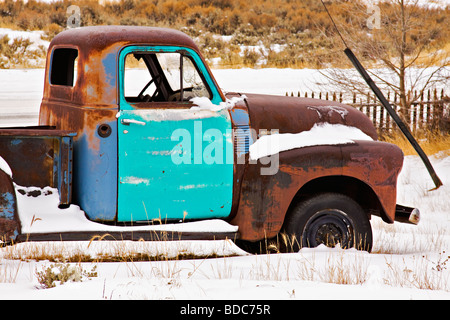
431,142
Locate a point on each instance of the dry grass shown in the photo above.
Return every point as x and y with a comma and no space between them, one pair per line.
9,270
100,250
431,143
422,238
419,276
338,268
343,267
302,26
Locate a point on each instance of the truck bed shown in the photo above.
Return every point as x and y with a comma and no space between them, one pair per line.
39,156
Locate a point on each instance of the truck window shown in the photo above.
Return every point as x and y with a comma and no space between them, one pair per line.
162,77
63,68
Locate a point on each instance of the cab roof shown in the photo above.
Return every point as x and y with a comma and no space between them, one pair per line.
102,37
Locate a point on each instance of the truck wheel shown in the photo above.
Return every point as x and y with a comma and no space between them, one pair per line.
328,219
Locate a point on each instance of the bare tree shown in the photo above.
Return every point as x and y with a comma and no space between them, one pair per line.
404,48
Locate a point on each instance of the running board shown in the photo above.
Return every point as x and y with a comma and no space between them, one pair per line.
148,235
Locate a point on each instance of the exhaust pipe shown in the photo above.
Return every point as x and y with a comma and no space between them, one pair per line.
407,215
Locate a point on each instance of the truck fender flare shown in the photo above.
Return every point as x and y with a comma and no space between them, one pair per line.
352,187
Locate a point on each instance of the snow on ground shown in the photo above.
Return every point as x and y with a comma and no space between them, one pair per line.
20,96
40,214
407,262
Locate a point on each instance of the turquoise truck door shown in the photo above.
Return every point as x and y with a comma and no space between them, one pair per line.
175,162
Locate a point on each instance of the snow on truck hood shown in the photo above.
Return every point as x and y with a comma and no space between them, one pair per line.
303,122
295,115
320,134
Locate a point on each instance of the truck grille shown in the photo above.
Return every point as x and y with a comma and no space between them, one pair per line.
242,138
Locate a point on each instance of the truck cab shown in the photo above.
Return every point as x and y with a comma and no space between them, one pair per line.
128,123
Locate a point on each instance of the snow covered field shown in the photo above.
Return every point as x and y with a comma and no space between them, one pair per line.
21,89
407,262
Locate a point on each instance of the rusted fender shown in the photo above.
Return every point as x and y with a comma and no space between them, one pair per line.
265,199
378,164
9,220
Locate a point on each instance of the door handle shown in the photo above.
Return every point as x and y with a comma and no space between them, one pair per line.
127,122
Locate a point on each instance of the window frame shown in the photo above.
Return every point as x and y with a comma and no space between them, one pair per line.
73,67
216,97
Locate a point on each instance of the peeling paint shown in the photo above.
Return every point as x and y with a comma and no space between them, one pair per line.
329,110
134,180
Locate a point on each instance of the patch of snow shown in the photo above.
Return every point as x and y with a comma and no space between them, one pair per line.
223,38
320,134
5,167
204,103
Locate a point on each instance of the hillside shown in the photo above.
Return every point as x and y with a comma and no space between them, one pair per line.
231,33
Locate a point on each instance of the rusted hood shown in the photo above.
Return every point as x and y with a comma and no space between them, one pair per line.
294,115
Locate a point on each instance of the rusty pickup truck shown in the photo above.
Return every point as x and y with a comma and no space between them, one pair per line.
133,129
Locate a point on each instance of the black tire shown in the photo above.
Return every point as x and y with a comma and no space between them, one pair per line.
328,219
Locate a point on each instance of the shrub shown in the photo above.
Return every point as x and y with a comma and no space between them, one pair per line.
262,21
301,24
62,273
30,20
51,31
251,57
5,52
17,53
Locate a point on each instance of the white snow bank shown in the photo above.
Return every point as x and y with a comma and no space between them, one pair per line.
5,167
40,214
320,134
